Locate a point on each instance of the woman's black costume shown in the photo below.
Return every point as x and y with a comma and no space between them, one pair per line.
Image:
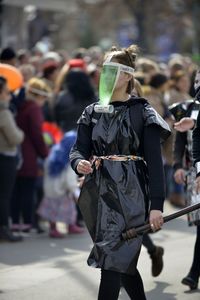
115,197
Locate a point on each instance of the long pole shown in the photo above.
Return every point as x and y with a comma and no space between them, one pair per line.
133,232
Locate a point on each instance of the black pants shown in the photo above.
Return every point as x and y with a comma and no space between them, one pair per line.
38,196
148,243
7,181
195,269
22,203
110,285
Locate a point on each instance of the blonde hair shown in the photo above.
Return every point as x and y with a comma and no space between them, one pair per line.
28,71
147,65
61,77
36,87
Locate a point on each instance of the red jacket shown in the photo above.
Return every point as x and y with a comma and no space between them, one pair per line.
29,119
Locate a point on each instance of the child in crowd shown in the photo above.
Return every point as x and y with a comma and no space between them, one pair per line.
60,188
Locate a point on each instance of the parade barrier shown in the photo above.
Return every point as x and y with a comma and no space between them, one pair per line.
133,232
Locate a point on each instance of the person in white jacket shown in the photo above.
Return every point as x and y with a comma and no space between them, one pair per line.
60,188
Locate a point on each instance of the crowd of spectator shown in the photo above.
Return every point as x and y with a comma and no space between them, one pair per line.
35,118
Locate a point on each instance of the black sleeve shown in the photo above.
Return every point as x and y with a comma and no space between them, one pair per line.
179,149
83,146
153,157
167,114
196,141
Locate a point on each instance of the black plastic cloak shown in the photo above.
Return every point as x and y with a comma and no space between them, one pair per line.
114,197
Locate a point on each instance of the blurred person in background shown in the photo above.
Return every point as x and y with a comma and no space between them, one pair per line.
49,75
178,92
8,56
94,74
51,57
78,93
79,53
95,55
10,137
52,135
175,65
180,87
75,63
36,62
60,188
23,57
184,135
29,119
147,67
64,57
159,86
28,71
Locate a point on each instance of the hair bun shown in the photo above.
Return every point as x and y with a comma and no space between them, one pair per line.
132,50
114,48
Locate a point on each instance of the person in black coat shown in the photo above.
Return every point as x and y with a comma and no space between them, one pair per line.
76,95
185,124
193,277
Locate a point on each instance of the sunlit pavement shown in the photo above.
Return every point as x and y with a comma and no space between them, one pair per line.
50,269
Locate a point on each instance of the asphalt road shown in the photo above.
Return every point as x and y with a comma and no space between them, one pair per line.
49,269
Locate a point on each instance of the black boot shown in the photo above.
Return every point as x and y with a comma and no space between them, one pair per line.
190,281
157,261
7,235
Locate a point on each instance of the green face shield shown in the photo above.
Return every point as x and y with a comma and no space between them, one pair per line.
108,80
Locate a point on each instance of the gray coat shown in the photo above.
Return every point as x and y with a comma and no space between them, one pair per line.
10,134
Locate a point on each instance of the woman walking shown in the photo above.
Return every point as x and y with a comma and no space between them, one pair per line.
117,152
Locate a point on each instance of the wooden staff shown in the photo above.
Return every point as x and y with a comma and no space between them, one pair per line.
133,232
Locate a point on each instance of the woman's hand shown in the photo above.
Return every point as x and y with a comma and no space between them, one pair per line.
84,167
155,220
184,124
179,176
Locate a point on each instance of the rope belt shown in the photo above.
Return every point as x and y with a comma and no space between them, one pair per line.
97,159
120,157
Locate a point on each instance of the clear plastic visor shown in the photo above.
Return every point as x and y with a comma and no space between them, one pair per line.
108,79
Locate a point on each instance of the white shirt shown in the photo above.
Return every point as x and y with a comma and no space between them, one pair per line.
56,187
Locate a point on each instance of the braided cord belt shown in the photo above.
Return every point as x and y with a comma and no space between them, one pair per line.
97,159
120,157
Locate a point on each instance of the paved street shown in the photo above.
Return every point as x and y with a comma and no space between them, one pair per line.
43,268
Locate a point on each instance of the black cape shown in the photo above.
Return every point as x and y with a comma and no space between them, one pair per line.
114,197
